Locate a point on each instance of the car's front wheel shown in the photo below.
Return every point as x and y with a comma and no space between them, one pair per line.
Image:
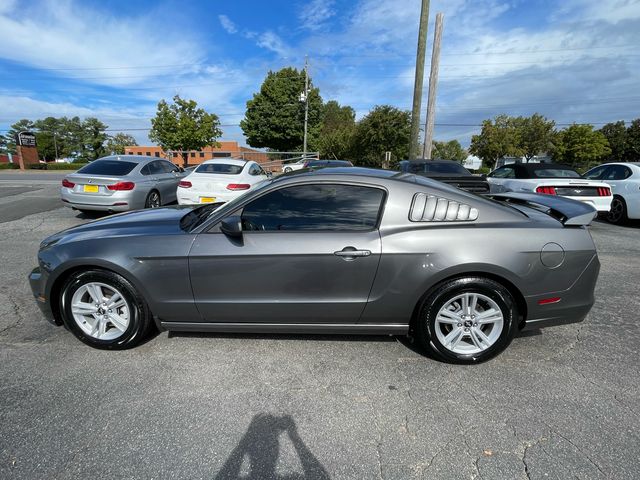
287,170
618,211
467,320
104,310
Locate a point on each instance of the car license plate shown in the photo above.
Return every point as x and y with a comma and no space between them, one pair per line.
91,188
207,199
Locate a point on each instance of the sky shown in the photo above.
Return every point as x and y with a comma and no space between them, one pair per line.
571,60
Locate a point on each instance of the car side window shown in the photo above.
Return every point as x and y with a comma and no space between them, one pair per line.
155,168
596,173
254,170
145,170
617,172
169,167
321,207
503,172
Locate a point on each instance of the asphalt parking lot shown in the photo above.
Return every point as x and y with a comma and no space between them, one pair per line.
559,403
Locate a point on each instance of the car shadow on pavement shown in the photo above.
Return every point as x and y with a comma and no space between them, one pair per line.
260,446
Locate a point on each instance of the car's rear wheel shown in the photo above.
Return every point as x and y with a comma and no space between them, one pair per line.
287,170
618,211
467,320
153,200
104,310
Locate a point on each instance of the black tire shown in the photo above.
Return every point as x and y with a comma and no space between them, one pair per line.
140,320
618,212
442,294
153,200
287,170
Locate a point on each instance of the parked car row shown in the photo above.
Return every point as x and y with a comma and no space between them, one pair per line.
130,182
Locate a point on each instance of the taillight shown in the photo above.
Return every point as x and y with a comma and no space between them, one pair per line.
604,192
185,184
121,186
546,190
67,184
238,186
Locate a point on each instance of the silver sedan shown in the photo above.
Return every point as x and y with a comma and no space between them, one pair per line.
120,183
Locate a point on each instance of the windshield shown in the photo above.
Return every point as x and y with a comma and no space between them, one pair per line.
436,168
114,168
220,168
199,215
555,172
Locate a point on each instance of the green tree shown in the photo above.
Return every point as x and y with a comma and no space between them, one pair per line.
336,131
93,138
183,126
275,115
535,135
48,134
117,143
19,126
451,150
383,129
581,146
616,134
633,141
498,138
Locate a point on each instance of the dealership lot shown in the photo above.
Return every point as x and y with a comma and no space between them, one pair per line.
559,403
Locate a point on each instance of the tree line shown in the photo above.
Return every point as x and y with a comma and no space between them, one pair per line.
62,137
579,145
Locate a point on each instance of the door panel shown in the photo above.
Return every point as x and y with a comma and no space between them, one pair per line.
283,277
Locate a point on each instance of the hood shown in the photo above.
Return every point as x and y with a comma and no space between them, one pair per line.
156,221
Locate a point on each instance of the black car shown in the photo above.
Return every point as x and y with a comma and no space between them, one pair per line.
446,171
316,164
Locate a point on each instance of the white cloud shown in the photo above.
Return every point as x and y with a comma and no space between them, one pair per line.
271,41
315,14
227,24
69,35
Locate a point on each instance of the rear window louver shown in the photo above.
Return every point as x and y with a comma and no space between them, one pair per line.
429,208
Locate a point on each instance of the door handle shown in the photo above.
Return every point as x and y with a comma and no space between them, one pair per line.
351,253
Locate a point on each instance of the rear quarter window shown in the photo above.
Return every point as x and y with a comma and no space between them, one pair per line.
116,168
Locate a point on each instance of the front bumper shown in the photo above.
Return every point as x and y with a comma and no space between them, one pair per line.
38,281
573,306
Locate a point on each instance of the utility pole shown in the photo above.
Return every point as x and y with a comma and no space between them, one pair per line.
418,83
306,103
55,144
433,85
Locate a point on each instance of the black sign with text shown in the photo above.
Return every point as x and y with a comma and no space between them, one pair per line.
26,139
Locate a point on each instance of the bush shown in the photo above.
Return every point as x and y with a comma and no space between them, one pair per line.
37,166
65,166
483,170
9,166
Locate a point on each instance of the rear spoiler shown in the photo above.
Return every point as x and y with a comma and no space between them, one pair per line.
565,210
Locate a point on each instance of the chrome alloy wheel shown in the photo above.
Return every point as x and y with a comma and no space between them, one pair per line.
100,311
153,200
469,323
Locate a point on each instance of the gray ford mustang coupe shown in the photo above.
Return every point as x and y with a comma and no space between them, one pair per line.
341,250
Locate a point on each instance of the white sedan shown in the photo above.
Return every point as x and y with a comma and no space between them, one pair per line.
219,181
297,165
624,178
551,179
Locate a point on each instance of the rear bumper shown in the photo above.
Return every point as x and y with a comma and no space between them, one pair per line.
117,202
601,204
573,306
187,197
38,280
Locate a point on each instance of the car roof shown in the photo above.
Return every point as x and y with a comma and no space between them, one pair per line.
424,160
532,167
131,158
227,161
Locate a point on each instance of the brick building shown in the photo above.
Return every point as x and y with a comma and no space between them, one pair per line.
226,149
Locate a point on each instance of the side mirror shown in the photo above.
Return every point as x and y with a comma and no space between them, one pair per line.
232,226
